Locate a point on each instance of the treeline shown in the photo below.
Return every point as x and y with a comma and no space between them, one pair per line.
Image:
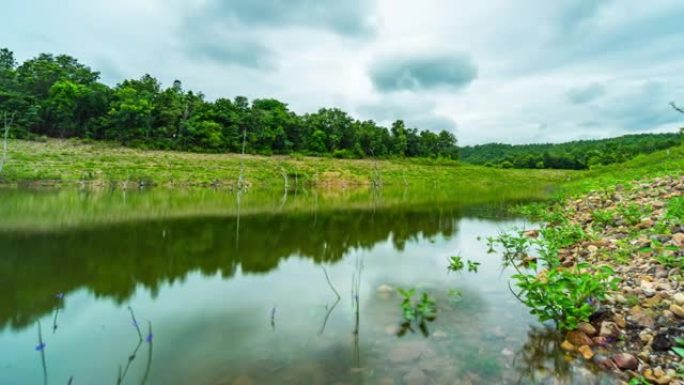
575,155
56,96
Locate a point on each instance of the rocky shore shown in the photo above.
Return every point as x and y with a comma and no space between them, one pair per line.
637,232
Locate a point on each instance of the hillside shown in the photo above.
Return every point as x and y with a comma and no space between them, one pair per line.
578,155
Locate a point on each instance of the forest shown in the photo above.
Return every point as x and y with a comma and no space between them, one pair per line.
576,155
56,96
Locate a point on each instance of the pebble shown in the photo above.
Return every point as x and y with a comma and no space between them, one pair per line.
679,299
625,361
586,352
677,310
416,377
587,328
578,338
567,346
609,329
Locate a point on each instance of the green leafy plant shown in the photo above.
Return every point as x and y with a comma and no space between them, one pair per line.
565,296
679,349
603,218
638,381
632,213
473,266
675,209
422,309
456,263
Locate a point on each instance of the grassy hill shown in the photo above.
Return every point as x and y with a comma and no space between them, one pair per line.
69,162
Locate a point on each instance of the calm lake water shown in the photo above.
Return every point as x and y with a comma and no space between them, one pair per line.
253,298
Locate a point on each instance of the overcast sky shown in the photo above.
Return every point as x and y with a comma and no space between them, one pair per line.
511,71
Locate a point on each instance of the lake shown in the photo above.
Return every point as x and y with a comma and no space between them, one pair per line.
208,287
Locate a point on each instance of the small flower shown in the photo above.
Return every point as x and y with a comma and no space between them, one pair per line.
59,295
149,338
40,347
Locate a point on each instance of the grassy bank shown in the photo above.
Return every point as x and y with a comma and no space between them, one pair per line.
65,162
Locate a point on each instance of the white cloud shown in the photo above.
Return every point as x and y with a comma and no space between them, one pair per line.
620,59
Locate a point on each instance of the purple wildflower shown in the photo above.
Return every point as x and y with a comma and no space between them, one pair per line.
40,347
149,338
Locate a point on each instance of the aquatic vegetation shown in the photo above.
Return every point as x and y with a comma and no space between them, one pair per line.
560,294
456,263
416,312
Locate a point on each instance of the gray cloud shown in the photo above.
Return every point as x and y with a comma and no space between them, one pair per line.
448,71
233,32
351,17
581,95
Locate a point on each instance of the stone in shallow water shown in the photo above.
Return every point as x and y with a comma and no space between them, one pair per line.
416,377
587,328
407,352
586,352
609,329
578,338
625,361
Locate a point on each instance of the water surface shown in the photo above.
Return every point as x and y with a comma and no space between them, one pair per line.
294,291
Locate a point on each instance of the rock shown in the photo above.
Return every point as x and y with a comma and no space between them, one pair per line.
531,233
601,341
604,362
609,329
592,249
578,338
416,377
641,317
406,352
661,343
567,346
678,239
587,328
679,299
625,361
646,223
586,352
677,310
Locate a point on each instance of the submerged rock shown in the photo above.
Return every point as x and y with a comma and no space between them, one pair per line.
625,361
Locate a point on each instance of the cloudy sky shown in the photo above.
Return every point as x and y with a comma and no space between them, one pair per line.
493,70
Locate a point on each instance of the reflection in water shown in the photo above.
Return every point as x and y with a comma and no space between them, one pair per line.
285,297
111,261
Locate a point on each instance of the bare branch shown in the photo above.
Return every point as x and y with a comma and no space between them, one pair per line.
678,109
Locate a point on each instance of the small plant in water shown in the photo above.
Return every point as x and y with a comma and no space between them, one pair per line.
563,295
473,266
456,263
416,312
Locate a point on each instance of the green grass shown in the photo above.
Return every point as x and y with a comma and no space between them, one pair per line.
668,162
68,162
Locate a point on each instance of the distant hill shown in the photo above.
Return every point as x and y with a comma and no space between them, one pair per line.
577,155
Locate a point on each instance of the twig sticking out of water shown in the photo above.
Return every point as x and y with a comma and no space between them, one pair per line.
273,313
135,323
330,310
149,354
41,348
